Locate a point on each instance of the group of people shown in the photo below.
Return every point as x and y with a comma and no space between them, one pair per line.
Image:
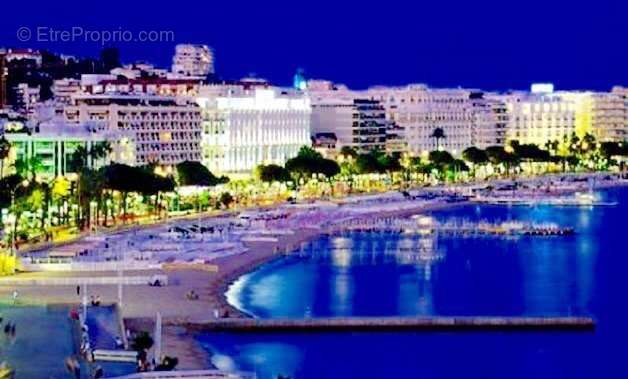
192,295
9,329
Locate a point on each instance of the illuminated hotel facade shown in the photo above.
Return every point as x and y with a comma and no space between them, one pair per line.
165,130
541,116
244,127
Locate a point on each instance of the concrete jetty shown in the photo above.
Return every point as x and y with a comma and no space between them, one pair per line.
397,323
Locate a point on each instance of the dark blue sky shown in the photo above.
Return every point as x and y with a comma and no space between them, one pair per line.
486,44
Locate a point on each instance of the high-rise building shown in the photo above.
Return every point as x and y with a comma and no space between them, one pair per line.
165,130
246,126
193,60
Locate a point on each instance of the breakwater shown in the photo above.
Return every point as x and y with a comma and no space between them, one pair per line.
396,323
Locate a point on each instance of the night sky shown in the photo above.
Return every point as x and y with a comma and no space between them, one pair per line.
487,44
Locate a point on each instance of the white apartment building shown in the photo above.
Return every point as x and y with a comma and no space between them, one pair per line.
247,126
164,130
539,117
193,60
623,93
465,116
64,89
27,98
412,112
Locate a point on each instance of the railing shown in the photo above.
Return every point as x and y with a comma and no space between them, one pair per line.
73,281
192,374
115,355
54,264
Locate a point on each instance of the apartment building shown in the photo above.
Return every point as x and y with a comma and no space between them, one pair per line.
165,130
193,60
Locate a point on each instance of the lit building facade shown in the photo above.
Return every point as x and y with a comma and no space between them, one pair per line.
54,144
164,130
193,60
353,119
408,116
538,117
243,128
622,92
181,87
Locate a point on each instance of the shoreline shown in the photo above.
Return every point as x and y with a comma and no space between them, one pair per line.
179,313
219,289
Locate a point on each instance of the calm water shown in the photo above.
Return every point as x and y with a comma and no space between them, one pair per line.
43,339
381,274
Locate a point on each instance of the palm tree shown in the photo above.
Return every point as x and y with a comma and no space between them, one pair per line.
5,149
29,167
438,134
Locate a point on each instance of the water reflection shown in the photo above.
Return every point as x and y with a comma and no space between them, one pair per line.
580,274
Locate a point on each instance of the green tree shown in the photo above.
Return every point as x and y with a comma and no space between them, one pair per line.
272,173
438,134
29,167
226,199
191,173
5,149
475,156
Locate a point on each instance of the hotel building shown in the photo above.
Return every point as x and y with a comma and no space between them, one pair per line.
245,126
541,116
164,130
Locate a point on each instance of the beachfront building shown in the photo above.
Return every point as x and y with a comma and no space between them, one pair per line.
538,117
244,126
193,60
465,117
54,143
543,115
407,117
351,118
623,93
164,130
